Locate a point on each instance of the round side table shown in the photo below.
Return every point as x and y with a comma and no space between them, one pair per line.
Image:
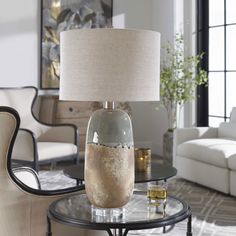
157,172
138,214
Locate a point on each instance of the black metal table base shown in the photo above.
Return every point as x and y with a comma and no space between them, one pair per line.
117,232
124,232
175,211
49,233
189,226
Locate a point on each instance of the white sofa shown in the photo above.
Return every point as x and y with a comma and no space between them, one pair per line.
207,155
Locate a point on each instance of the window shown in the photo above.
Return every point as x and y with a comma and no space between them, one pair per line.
217,38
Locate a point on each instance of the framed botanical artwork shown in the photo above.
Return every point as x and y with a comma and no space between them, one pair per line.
62,15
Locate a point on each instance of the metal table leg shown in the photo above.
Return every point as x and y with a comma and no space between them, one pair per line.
117,232
164,230
120,232
189,226
126,232
109,232
49,233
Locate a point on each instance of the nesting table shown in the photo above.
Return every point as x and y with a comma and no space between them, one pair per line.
76,211
138,214
157,172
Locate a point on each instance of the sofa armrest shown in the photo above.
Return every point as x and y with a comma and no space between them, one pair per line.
59,133
184,134
25,147
227,130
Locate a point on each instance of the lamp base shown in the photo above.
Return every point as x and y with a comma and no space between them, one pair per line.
109,158
107,213
109,175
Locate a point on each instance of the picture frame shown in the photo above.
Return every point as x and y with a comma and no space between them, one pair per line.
62,15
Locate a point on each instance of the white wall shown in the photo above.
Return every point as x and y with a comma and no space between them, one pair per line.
189,15
19,35
149,124
132,14
163,19
158,15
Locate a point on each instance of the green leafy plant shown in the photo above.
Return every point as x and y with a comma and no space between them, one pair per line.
180,75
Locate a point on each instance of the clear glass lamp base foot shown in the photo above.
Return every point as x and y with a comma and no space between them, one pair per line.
107,214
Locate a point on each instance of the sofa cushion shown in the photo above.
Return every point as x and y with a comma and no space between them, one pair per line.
212,151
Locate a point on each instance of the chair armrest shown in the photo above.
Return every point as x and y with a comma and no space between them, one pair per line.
27,176
59,133
182,135
25,147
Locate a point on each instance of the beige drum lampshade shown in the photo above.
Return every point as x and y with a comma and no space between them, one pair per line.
109,65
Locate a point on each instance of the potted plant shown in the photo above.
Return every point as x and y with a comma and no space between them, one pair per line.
180,75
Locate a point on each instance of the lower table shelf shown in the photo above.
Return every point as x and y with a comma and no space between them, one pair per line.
138,214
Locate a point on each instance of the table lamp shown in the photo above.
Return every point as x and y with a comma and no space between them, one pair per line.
109,65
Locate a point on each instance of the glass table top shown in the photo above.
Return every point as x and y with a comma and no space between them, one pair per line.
76,209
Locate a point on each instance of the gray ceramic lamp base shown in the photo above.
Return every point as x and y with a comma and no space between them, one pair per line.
109,158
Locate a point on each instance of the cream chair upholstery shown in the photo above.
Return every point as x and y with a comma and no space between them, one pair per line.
38,143
22,210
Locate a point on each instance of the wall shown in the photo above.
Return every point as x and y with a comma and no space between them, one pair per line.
19,42
132,14
190,15
149,124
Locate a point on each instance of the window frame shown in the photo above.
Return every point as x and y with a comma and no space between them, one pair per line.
202,46
203,28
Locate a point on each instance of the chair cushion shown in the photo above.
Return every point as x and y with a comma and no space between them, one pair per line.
48,150
212,151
